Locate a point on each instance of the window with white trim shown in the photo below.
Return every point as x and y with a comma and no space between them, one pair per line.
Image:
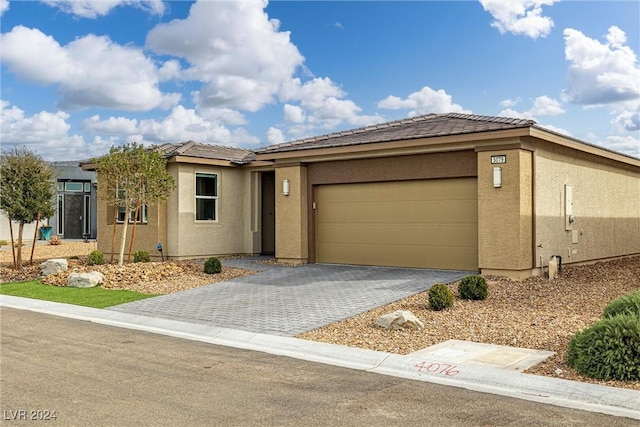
206,196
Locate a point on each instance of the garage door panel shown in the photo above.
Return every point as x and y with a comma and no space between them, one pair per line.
399,212
413,235
428,224
448,258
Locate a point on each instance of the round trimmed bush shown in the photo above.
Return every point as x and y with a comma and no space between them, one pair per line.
440,297
141,256
96,258
212,266
626,304
609,349
473,287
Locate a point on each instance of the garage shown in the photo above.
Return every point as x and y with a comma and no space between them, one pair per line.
423,223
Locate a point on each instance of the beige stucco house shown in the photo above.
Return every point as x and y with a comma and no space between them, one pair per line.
449,191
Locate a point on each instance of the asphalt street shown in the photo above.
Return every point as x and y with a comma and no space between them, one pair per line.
85,373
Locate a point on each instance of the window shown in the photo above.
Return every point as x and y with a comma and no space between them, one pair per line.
60,186
60,214
73,186
87,215
206,196
142,215
87,187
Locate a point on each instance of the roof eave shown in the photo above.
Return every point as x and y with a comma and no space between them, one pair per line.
576,144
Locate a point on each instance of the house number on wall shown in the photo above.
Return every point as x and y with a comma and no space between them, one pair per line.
502,158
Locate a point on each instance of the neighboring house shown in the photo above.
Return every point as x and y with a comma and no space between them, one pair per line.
76,205
76,202
447,191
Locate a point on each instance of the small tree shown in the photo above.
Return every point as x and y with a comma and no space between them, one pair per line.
132,176
27,191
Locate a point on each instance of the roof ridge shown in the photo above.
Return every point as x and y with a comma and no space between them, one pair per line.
493,119
184,147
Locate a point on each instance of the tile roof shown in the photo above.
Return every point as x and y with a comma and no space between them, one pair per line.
235,155
426,126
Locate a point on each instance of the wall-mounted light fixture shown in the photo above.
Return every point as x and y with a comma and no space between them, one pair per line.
497,177
285,187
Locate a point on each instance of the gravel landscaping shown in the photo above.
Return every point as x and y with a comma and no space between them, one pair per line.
534,313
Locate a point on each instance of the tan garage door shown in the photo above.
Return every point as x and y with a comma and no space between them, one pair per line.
426,224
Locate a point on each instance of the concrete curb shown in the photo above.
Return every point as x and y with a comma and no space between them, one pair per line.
553,391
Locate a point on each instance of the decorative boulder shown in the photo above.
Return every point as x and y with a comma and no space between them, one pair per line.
85,280
53,266
398,320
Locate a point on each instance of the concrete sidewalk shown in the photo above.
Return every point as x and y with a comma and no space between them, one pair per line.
440,366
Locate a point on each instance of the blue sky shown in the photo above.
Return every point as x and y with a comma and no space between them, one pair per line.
80,76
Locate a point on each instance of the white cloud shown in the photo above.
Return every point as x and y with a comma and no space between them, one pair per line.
112,125
321,106
520,16
629,145
181,124
36,129
275,136
294,114
508,103
95,8
542,106
600,73
425,101
90,71
45,133
4,6
627,121
545,106
48,132
556,129
234,49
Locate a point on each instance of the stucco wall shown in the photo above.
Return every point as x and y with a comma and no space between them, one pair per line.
187,237
505,213
291,215
606,206
148,235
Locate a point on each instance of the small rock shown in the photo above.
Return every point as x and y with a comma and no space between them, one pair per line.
398,320
559,371
85,280
53,266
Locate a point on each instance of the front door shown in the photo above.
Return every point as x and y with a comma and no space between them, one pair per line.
73,216
268,213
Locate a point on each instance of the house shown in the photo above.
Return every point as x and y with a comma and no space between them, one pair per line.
76,205
446,191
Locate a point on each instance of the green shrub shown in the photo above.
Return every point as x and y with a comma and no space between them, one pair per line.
473,287
212,266
609,349
440,297
3,243
626,304
141,256
96,258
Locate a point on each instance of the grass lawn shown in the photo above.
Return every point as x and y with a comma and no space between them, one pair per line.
89,297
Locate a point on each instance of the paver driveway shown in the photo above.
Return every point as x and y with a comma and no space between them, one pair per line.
290,300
